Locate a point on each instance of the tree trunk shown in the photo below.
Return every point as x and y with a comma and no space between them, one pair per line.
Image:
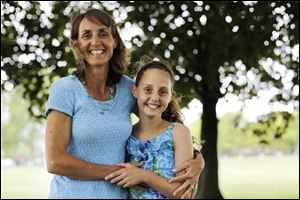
208,183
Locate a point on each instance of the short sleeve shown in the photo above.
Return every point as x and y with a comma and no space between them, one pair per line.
61,97
133,104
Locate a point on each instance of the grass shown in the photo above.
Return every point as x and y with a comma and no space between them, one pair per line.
24,183
250,177
260,177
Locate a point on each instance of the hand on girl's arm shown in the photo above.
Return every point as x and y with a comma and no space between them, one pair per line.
190,173
130,176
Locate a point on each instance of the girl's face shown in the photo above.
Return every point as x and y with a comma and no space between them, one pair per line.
153,93
96,42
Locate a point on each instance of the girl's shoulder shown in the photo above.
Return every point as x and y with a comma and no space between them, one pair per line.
180,131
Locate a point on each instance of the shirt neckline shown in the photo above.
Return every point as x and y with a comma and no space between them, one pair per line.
92,98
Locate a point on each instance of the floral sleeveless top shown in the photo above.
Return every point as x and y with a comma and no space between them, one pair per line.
158,156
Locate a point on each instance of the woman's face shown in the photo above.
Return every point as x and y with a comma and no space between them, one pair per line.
96,43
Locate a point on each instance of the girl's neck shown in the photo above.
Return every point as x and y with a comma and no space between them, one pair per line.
148,128
147,123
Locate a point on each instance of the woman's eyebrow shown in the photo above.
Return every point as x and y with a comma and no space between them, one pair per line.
85,31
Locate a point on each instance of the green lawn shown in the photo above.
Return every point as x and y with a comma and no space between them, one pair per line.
260,177
251,177
24,182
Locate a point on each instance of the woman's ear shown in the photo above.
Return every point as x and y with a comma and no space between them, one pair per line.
116,43
134,90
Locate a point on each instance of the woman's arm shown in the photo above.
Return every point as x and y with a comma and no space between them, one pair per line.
58,160
192,170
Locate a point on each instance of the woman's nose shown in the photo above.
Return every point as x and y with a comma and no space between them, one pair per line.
96,40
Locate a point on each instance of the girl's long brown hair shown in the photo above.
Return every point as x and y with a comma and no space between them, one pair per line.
172,113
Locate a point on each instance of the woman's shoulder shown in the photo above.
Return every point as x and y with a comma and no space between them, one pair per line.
65,82
126,80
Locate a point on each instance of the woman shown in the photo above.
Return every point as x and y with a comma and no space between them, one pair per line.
88,115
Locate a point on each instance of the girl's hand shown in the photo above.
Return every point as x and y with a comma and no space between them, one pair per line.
128,176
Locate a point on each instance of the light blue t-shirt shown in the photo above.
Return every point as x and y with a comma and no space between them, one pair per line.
100,130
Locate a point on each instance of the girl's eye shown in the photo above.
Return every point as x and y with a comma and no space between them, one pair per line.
163,92
147,90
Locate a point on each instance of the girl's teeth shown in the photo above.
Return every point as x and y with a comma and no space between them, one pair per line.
153,106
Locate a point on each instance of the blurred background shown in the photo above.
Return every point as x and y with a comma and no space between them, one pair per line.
237,72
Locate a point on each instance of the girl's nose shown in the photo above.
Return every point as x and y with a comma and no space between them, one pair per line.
154,97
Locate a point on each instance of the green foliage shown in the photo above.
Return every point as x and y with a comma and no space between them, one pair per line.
234,138
19,134
194,37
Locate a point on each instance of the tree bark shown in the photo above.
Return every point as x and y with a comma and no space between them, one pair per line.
208,187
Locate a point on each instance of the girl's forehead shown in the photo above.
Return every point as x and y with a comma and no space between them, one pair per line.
156,72
156,77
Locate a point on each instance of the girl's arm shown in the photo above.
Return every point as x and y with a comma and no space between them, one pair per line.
192,170
183,152
57,158
130,176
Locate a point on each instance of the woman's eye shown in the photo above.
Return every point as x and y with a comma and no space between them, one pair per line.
103,34
85,35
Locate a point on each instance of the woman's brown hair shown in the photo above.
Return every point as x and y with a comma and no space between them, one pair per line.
117,62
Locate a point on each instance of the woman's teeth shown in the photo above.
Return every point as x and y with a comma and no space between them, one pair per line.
96,52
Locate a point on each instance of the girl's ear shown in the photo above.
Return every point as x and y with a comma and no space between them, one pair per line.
172,96
134,90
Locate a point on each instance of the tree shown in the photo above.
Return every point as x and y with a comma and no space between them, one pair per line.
217,48
19,135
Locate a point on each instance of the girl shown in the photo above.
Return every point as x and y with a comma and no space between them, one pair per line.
159,139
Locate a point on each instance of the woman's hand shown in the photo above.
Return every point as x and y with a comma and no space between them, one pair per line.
128,176
192,170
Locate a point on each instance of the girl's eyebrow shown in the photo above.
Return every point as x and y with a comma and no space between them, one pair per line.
146,84
149,85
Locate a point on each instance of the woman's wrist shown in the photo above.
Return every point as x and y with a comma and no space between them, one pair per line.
144,174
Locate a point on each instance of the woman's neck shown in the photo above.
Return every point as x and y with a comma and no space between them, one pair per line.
96,78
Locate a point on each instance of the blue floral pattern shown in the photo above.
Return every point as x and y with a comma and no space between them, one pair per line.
157,155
